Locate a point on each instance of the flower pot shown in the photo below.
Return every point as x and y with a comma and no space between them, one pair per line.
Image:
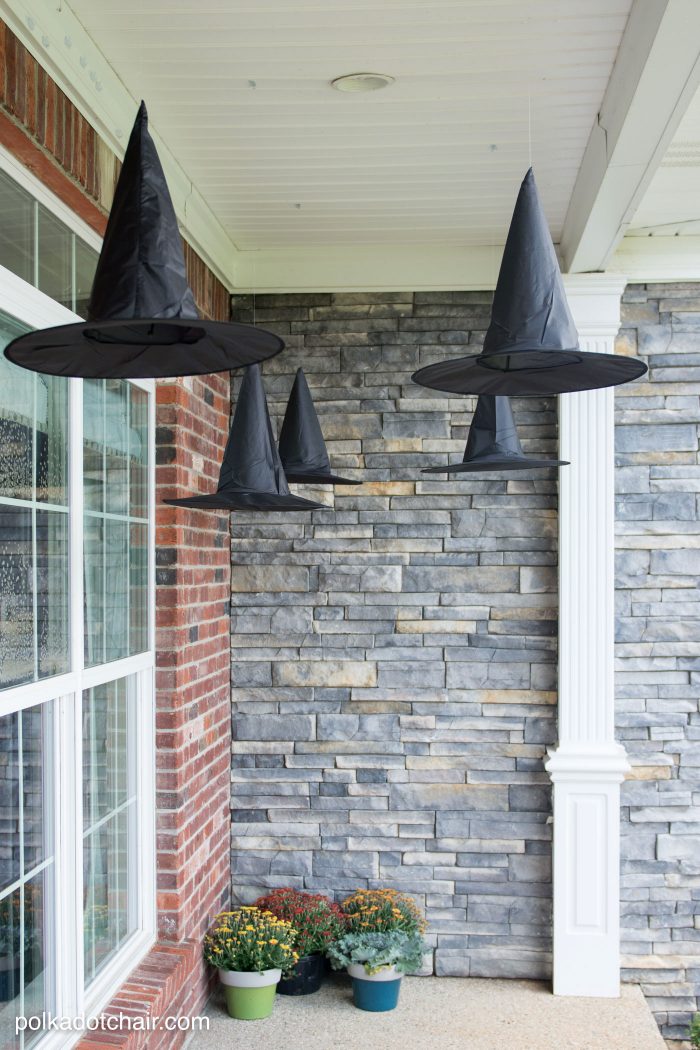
249,996
306,978
377,991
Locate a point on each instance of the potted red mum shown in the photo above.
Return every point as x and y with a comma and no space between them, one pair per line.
318,922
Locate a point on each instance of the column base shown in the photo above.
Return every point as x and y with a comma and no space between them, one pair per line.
586,863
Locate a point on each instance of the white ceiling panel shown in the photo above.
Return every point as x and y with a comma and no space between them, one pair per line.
240,92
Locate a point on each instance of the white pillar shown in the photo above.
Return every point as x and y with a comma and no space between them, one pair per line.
587,766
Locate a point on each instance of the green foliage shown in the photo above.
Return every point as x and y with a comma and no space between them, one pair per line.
377,949
251,941
695,1032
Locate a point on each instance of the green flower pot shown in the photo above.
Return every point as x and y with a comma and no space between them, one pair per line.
249,996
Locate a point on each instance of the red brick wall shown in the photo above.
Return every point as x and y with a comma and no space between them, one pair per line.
45,131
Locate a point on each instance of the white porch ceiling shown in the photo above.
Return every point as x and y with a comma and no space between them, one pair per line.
671,205
239,91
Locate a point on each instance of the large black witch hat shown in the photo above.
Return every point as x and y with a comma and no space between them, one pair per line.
493,442
531,346
302,448
142,318
251,475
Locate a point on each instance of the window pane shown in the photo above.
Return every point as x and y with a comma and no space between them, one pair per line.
16,229
16,596
117,591
93,563
26,891
138,588
116,446
51,440
55,258
34,568
52,600
9,802
16,419
85,264
93,443
115,465
109,815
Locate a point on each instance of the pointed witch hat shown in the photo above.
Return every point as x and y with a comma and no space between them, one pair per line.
493,442
143,321
251,475
302,448
531,346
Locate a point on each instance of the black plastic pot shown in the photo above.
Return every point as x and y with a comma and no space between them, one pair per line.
307,977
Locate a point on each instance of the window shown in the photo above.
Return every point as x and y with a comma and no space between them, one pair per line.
77,899
42,249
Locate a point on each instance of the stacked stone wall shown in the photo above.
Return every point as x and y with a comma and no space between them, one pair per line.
394,655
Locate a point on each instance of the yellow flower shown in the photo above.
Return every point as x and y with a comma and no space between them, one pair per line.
273,940
250,928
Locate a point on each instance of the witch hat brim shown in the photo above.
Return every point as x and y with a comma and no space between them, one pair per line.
302,448
251,476
156,349
238,499
142,318
531,346
529,373
493,443
496,463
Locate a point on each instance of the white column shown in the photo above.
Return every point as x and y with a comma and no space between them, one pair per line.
587,766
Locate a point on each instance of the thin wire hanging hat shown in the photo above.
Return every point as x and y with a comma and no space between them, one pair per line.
493,442
531,346
301,446
251,476
142,319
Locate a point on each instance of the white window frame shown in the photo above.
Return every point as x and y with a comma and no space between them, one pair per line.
66,986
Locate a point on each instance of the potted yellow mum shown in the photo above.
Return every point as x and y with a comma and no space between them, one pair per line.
251,949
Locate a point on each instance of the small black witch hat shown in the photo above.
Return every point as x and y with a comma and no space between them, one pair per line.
531,346
493,442
251,475
142,319
302,448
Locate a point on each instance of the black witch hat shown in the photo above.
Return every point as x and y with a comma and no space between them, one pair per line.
142,319
302,448
251,475
493,442
531,346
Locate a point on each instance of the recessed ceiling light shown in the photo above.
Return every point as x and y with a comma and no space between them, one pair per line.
362,82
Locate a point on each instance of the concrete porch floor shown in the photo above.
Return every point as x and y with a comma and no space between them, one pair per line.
447,1013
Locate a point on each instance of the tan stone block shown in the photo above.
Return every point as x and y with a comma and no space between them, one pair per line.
435,626
326,673
388,488
649,773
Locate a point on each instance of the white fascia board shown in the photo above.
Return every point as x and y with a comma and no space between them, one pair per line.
374,267
56,38
656,75
657,259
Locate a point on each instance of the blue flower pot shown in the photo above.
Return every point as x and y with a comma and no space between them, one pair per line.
377,992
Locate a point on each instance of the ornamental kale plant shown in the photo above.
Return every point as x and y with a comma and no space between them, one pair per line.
251,940
316,919
377,949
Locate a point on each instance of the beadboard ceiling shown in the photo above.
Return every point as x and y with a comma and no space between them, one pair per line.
239,90
671,204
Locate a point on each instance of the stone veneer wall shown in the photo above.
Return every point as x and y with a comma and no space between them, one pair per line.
658,636
394,656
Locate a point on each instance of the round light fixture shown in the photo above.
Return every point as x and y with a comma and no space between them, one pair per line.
362,82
